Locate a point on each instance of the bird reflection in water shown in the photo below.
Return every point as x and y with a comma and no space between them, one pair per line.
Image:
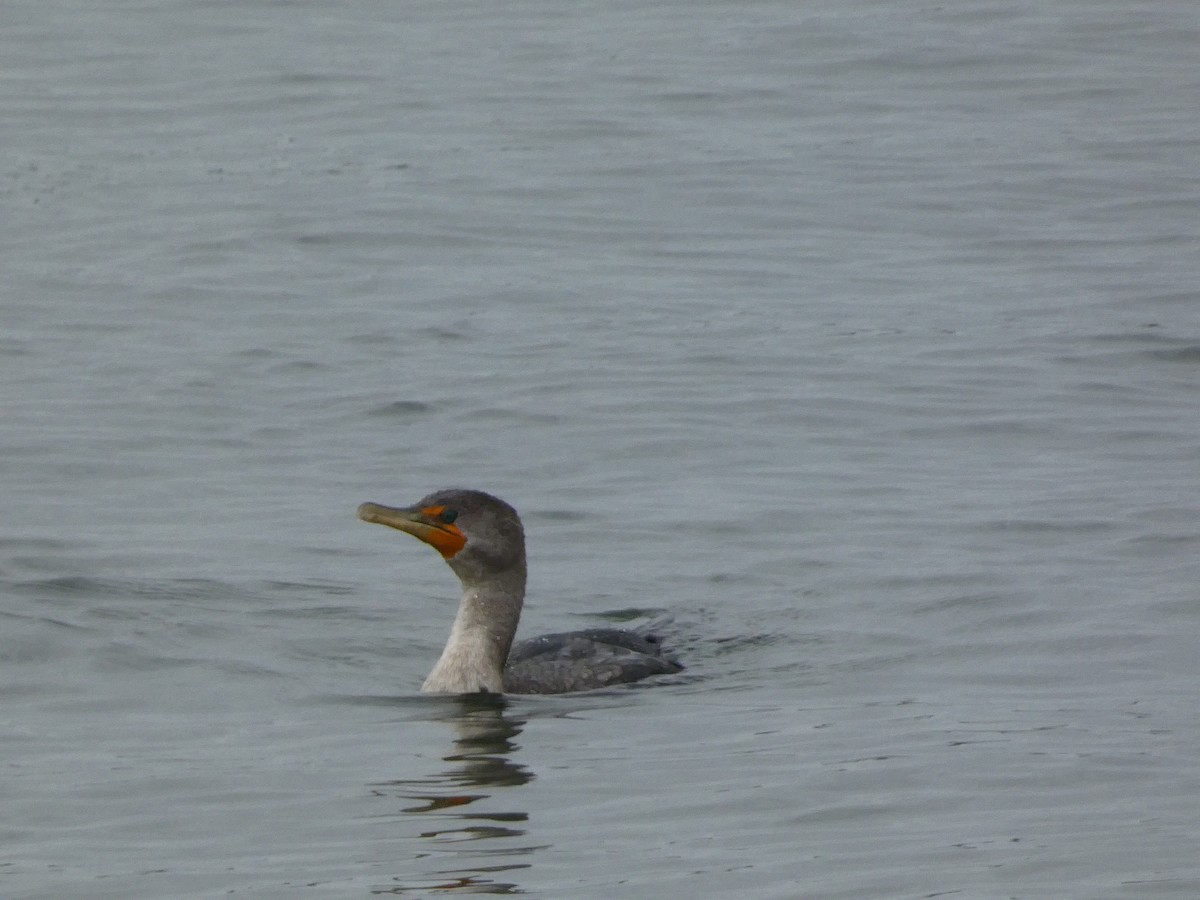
484,741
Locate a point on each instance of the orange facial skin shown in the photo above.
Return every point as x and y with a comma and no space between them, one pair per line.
425,524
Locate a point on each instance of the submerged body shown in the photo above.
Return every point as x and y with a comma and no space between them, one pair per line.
482,540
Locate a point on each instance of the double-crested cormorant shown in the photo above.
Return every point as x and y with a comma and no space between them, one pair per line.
481,539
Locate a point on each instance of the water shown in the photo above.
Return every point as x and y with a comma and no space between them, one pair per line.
861,339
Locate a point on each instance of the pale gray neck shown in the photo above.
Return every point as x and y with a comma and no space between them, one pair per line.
474,656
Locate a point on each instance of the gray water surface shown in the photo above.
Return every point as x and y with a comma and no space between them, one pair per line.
859,341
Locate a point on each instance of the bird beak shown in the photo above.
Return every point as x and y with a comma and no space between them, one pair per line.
420,523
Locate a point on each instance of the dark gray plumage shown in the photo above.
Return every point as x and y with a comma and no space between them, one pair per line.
584,660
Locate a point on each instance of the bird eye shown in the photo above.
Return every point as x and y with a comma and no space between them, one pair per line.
447,516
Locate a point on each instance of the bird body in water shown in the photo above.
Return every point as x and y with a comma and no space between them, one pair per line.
482,540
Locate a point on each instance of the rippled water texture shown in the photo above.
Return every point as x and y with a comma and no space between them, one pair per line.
858,341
